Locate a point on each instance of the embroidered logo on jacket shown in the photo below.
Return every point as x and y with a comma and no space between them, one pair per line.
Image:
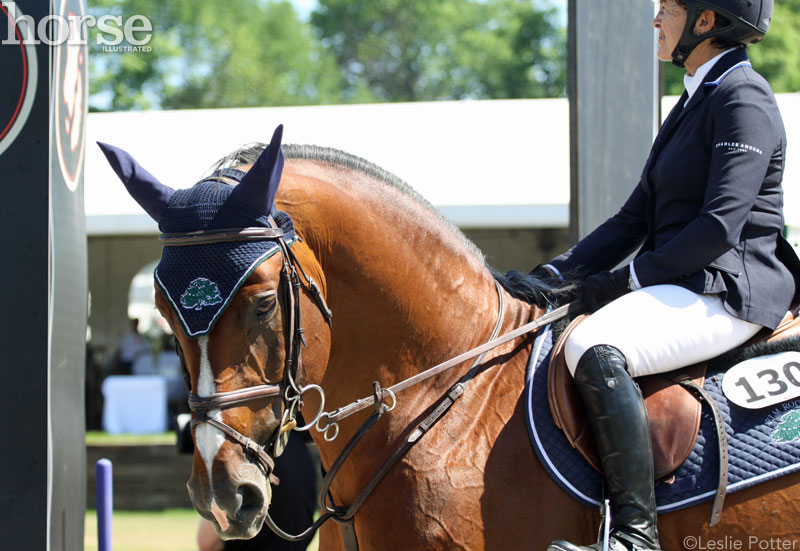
736,146
200,293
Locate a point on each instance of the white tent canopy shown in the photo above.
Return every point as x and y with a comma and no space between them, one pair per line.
485,164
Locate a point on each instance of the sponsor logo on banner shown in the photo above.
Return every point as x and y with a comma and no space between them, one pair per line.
20,73
70,94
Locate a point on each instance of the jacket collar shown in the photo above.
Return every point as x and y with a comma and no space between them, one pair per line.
725,65
720,70
717,74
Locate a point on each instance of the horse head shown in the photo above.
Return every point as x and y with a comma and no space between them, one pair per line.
228,284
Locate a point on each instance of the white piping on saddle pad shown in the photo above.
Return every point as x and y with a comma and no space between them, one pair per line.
551,467
209,439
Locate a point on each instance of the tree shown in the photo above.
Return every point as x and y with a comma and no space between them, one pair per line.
201,292
777,57
412,50
210,54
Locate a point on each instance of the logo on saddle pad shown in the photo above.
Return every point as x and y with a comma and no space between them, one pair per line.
788,428
200,293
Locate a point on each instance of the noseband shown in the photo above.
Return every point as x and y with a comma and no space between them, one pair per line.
288,389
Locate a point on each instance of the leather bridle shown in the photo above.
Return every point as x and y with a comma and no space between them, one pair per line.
288,389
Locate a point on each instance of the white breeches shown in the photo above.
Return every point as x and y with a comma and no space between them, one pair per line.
661,328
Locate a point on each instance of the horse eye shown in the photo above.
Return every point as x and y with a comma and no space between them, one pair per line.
266,307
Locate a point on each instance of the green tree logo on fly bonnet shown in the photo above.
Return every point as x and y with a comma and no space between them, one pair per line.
789,427
201,292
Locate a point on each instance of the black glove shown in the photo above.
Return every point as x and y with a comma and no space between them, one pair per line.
599,289
546,275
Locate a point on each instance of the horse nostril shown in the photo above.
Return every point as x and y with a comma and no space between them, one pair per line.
249,500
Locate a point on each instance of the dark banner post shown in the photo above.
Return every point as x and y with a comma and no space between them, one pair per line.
613,99
43,279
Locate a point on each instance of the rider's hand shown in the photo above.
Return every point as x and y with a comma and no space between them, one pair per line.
599,289
542,273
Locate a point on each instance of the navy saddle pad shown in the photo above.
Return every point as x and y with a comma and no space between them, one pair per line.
763,444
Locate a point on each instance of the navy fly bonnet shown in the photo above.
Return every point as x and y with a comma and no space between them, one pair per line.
200,280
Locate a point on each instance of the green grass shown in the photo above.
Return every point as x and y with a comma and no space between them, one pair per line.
168,530
99,438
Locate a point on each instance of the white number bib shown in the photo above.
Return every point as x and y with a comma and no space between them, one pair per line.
763,381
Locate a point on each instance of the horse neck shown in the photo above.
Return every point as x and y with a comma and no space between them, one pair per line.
406,293
406,290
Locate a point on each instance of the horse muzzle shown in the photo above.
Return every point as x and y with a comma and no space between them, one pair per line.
235,504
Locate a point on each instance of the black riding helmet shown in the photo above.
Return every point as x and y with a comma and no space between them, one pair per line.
748,23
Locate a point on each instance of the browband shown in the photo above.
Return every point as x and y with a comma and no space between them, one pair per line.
203,237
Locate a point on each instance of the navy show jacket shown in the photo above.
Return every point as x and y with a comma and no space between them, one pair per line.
707,213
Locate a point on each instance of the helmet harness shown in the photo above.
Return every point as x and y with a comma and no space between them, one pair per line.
747,23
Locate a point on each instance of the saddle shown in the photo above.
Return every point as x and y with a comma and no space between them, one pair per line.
673,410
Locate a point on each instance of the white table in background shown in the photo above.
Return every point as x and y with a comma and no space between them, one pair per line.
135,404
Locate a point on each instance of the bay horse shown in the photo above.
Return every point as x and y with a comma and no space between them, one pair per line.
407,291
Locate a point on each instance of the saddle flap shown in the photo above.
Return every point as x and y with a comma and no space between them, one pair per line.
674,414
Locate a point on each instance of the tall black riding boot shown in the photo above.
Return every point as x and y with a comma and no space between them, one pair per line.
618,418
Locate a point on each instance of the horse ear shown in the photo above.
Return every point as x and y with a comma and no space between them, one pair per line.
258,187
151,194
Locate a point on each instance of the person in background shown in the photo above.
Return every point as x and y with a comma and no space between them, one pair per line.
130,346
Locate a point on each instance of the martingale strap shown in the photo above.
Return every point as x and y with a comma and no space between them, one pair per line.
345,515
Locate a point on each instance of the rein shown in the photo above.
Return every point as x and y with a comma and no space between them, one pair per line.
333,417
327,423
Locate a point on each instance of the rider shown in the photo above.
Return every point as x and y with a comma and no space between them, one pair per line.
712,268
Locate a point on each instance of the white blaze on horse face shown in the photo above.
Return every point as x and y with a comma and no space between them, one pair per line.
207,438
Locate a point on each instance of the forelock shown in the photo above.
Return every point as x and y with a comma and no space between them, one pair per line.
246,154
